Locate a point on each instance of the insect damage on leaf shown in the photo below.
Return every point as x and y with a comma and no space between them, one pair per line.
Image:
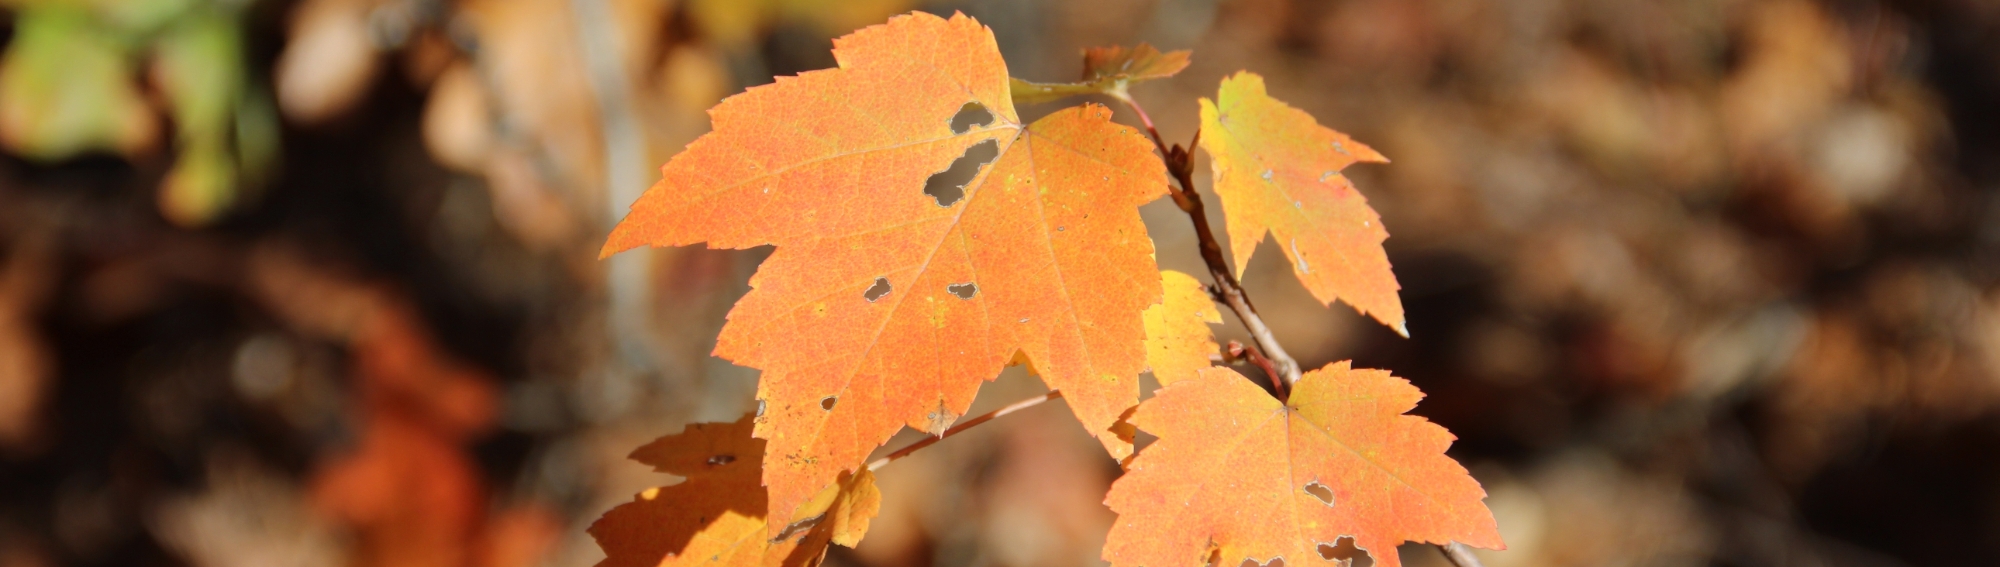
1344,553
881,288
1241,475
861,300
1106,70
1277,170
970,116
719,515
964,290
948,186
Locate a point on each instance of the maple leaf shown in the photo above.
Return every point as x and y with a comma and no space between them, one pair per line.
1277,169
1178,340
1240,474
893,292
719,515
1106,70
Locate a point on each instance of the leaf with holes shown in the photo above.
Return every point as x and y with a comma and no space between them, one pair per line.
1276,169
1239,476
924,236
1178,340
718,516
1107,70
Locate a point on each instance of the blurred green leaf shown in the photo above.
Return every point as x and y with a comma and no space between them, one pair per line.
67,87
198,65
201,184
140,17
257,137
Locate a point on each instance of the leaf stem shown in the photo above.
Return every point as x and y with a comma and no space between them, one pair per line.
1228,291
962,426
1126,98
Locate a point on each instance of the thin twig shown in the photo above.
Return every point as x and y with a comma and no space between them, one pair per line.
1126,97
1228,291
962,426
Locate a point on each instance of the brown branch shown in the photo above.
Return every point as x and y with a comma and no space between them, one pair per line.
962,426
1228,291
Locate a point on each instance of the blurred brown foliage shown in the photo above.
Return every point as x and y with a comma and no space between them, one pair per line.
313,282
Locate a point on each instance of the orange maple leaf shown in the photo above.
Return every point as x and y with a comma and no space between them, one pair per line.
719,515
1240,474
1178,340
1276,169
1107,70
893,292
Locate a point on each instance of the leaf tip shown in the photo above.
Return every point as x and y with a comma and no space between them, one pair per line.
621,239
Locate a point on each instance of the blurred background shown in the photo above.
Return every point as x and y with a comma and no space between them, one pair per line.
314,283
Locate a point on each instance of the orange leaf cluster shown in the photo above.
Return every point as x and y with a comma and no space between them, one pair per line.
925,237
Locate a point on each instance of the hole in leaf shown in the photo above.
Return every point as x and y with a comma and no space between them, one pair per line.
1274,562
1320,491
948,186
760,408
826,403
963,291
876,291
1344,553
720,460
970,115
